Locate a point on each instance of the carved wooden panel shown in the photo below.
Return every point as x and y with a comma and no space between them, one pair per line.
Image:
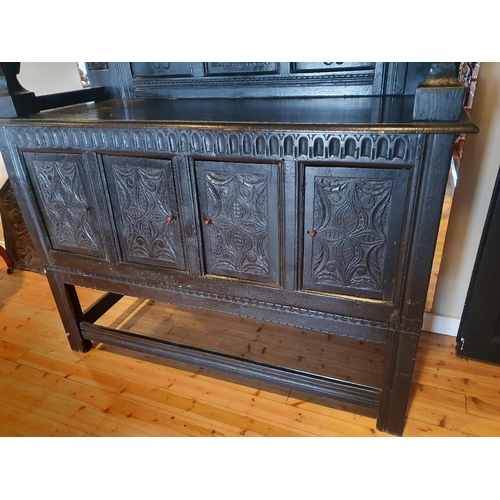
231,79
18,242
145,210
240,219
298,67
382,148
66,202
352,227
161,69
239,68
97,66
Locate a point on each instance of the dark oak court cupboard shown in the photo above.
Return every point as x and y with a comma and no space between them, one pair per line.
306,194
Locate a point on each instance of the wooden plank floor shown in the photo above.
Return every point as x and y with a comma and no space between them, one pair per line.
48,390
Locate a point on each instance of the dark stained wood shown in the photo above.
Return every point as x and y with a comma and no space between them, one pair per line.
174,80
389,113
318,214
234,196
402,348
70,311
314,384
442,93
19,245
330,356
65,196
71,98
100,307
403,342
143,197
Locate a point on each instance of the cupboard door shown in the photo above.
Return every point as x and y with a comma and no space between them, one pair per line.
352,229
240,219
67,203
145,210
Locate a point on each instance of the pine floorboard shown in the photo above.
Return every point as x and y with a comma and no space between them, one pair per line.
48,390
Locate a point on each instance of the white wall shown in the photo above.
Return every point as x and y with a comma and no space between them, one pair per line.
477,175
49,77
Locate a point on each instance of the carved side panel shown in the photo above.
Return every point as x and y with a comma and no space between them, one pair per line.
145,210
18,241
240,219
67,206
353,221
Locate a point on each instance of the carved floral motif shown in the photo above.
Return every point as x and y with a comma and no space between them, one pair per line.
351,223
67,209
148,228
17,239
238,213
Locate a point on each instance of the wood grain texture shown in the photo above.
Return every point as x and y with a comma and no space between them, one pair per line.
48,390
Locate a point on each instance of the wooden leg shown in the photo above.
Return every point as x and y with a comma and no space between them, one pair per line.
70,310
394,398
7,258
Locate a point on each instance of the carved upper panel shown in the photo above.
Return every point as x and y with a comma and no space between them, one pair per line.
239,68
169,69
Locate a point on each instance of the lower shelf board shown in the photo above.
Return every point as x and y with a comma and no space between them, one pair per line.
343,391
335,357
339,370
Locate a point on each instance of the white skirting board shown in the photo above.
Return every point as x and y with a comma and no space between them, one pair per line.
441,324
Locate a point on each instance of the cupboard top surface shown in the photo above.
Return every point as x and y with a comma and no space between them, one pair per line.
378,114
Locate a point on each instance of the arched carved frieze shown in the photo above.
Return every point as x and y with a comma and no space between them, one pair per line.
329,146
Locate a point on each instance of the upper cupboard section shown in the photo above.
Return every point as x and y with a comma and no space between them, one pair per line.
256,79
177,69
